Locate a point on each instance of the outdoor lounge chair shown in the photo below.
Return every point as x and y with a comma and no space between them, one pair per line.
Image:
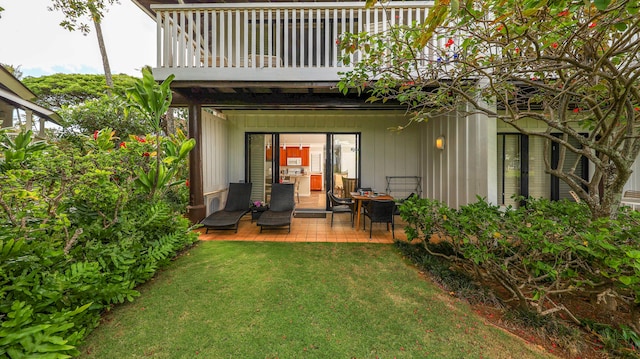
281,207
238,204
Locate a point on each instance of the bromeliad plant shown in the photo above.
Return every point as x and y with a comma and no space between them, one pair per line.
153,100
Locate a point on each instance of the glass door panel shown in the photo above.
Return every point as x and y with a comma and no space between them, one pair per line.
509,171
345,163
260,169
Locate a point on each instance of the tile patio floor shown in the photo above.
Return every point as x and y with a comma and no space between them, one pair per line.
309,230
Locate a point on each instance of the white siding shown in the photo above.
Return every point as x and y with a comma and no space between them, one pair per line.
384,152
466,168
215,164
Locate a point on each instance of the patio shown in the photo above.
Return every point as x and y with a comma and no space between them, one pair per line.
309,230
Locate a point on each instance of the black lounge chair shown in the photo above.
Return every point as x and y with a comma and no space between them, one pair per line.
238,204
281,207
381,212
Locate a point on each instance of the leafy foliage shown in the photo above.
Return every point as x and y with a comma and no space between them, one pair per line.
539,253
77,235
63,90
570,66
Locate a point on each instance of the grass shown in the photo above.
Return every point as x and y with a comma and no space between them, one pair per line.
297,300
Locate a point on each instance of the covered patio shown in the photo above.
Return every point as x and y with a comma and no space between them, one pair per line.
309,230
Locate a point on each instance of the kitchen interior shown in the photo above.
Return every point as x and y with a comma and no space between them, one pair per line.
302,161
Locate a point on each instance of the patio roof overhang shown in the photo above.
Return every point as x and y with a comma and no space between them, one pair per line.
19,102
272,95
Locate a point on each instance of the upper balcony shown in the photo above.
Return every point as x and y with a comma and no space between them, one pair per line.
267,42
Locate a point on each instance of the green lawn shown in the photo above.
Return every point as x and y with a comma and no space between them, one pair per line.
297,300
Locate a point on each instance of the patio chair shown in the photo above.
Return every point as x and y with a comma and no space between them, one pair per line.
340,205
379,211
349,186
237,205
281,207
397,209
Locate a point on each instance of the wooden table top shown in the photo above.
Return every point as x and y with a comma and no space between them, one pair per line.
383,196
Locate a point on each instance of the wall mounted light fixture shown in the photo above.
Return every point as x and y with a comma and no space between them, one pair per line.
440,143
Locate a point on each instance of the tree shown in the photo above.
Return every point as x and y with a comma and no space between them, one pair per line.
74,11
16,71
573,66
103,112
59,90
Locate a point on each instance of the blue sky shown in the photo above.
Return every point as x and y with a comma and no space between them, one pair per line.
30,36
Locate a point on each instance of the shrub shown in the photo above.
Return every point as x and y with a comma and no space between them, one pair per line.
77,235
539,253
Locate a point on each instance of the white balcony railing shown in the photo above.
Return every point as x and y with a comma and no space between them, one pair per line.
279,39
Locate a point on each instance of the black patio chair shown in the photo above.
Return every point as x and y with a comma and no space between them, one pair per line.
398,203
340,205
238,204
281,207
379,211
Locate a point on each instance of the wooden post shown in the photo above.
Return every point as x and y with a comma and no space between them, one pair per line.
196,210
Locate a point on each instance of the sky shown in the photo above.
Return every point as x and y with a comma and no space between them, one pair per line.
31,37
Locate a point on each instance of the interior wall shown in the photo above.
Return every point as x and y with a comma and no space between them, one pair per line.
384,152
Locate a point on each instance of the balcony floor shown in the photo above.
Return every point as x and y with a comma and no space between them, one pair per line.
309,230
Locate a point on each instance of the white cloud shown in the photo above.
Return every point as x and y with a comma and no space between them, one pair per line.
32,38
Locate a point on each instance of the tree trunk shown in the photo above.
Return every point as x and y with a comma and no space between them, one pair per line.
169,122
103,53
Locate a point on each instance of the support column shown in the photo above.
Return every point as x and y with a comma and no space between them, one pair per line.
196,210
28,120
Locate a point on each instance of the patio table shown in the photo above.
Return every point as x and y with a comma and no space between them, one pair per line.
358,198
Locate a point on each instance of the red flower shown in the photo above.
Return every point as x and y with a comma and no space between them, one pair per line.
563,13
140,139
500,27
337,41
517,50
554,45
637,108
576,110
186,183
122,144
592,25
146,154
95,134
449,43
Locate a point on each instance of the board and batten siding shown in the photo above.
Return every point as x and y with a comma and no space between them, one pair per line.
532,125
384,152
466,167
215,149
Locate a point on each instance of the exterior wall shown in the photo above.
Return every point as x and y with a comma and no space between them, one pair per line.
466,167
634,181
384,152
215,162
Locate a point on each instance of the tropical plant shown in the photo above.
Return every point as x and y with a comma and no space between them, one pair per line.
569,65
153,100
18,149
76,237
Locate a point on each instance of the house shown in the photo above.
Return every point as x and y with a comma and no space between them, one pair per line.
259,79
16,96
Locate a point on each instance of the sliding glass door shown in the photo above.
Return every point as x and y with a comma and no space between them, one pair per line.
314,162
521,169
